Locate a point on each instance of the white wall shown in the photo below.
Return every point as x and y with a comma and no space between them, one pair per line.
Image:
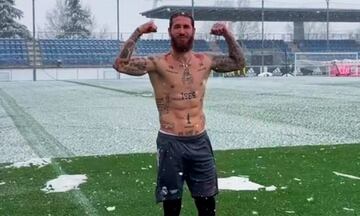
61,74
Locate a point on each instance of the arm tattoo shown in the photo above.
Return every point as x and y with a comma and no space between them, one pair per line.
124,63
126,51
129,46
234,61
135,67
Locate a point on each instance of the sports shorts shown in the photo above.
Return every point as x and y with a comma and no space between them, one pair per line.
185,159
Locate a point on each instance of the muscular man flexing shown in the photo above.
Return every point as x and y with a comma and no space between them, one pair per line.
179,79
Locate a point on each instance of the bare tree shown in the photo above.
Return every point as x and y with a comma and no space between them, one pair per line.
246,30
312,30
56,19
242,30
315,30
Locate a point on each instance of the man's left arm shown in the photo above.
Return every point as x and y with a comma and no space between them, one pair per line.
235,60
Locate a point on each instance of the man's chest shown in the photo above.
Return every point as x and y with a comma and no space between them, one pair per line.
181,75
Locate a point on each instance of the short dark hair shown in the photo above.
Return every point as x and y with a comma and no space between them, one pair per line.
184,14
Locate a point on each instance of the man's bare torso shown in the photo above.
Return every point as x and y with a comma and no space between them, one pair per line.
179,93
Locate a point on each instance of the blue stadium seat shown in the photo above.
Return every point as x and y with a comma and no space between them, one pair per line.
13,52
78,52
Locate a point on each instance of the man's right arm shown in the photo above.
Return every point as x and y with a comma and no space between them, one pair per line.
135,66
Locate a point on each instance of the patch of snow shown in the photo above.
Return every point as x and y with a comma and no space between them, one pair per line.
110,208
2,183
310,199
64,183
40,162
346,175
271,188
348,209
241,183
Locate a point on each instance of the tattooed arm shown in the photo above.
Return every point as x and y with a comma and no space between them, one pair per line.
235,60
137,66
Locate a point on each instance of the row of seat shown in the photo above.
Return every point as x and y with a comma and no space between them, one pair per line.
322,45
52,51
13,52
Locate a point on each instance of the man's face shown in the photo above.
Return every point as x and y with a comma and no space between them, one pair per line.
182,34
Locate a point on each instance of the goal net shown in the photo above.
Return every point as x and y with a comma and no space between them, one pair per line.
327,64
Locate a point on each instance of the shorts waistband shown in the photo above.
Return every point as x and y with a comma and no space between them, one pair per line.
183,138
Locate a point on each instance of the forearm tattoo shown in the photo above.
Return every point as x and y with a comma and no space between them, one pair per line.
234,61
133,66
129,46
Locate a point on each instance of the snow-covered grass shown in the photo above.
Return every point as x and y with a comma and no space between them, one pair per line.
102,117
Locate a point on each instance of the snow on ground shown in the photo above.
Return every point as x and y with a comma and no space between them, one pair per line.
64,183
241,183
346,175
101,117
39,162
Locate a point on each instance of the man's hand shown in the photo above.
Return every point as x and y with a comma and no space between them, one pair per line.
148,27
219,29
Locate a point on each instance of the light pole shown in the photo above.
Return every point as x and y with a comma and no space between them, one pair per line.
192,8
34,54
118,20
262,36
327,24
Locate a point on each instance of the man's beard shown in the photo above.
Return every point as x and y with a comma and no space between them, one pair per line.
181,48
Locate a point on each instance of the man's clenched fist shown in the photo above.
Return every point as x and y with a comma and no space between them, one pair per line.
148,27
219,29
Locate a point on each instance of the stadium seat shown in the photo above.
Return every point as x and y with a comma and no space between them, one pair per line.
13,52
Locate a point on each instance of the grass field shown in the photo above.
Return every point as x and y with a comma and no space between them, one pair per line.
306,184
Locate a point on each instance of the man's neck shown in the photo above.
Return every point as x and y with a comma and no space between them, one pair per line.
181,56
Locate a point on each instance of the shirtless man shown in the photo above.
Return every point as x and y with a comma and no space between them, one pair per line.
179,79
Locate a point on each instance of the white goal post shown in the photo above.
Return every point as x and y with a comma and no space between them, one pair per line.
327,63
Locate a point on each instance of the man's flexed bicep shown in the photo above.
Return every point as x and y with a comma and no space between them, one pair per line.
224,63
235,60
135,66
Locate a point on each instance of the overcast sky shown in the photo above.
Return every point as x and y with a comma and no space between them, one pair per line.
105,12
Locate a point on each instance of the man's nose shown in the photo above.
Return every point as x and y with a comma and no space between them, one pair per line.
182,30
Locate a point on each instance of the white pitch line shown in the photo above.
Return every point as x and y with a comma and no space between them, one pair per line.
346,175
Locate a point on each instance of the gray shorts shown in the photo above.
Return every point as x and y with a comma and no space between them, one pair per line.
187,159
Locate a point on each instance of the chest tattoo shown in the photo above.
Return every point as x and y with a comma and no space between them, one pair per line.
187,77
